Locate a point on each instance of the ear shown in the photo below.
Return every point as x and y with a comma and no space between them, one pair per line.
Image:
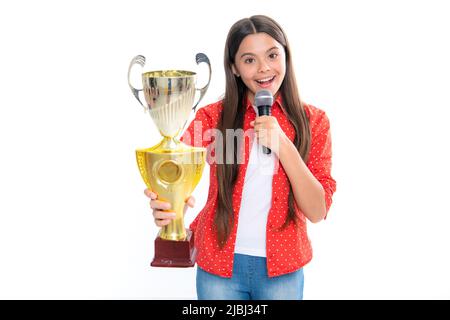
233,68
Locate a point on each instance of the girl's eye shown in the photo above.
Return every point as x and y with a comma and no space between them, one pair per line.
273,55
249,60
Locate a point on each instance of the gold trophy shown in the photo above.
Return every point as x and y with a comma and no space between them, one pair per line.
171,168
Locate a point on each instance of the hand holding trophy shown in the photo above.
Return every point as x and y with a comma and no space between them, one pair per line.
171,168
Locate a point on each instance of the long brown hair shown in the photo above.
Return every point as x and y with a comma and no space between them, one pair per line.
233,117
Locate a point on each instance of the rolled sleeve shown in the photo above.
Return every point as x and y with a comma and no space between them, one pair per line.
319,162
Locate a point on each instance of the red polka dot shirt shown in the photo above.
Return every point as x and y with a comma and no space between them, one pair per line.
288,250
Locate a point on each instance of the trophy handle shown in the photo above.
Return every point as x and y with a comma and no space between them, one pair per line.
199,58
141,61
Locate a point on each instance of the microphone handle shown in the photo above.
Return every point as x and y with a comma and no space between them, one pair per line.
264,111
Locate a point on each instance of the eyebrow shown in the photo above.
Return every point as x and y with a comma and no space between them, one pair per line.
252,54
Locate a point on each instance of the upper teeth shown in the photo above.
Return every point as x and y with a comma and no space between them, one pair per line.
264,80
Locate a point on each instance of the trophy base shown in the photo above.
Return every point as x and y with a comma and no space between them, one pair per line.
175,254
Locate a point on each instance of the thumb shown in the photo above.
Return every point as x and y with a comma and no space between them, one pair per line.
190,201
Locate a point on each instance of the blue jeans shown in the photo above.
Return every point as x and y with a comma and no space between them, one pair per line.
249,282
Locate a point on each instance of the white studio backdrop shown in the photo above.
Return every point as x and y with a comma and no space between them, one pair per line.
74,222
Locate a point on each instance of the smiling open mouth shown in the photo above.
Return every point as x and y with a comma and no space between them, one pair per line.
266,80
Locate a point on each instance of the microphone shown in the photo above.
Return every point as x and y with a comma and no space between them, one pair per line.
264,101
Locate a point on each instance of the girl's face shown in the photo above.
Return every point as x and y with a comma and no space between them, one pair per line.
261,63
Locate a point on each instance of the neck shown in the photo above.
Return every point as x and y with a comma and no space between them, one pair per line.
251,97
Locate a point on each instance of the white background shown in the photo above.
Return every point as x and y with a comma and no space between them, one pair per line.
74,222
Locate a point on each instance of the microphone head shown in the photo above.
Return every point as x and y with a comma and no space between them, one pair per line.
263,98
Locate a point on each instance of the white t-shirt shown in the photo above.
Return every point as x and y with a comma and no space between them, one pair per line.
256,202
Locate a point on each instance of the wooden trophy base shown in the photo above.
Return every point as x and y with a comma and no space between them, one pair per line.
175,254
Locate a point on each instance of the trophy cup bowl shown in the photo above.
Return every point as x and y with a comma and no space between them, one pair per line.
171,168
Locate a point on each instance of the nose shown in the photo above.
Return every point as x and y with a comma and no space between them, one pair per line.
263,66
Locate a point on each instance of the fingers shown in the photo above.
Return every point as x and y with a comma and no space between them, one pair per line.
160,213
156,204
190,201
263,122
150,194
163,218
163,215
261,119
161,205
